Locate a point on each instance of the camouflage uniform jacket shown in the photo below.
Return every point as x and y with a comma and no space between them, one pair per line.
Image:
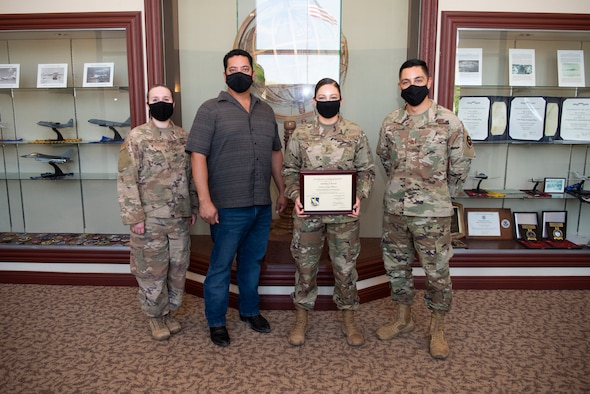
154,177
343,146
426,159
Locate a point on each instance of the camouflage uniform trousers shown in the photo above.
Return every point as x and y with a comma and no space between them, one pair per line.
159,260
430,239
344,247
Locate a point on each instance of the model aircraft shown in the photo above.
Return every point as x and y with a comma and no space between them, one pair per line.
60,159
111,125
53,161
580,189
481,176
534,191
57,125
57,174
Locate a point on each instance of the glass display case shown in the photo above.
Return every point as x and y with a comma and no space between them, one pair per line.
520,85
67,100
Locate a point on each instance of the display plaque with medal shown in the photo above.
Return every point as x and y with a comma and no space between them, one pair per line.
528,232
556,231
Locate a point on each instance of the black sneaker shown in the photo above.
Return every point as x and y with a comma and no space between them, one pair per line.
257,323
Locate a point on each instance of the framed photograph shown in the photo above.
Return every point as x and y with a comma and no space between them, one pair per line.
9,75
98,74
52,75
522,67
554,185
488,223
525,224
327,192
457,221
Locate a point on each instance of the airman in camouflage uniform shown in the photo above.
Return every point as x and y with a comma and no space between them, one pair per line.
158,201
426,153
328,143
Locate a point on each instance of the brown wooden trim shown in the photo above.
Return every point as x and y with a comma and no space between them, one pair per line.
58,254
453,20
520,283
67,278
130,21
278,266
154,44
428,27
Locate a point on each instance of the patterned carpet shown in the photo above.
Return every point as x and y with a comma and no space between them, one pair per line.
66,339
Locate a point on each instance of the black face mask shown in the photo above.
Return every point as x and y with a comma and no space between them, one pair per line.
328,109
161,110
239,82
414,95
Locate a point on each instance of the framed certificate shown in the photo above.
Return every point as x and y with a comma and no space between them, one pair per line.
329,192
527,118
488,223
474,112
575,119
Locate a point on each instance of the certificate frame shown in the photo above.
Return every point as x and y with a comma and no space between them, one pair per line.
502,229
457,221
327,192
554,185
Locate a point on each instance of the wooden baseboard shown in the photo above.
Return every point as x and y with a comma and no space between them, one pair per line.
278,269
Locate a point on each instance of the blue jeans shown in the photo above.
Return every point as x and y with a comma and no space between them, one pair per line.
241,233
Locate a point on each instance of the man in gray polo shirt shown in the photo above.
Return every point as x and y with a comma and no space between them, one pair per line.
235,150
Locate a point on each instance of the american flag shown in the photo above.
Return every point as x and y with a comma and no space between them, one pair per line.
316,11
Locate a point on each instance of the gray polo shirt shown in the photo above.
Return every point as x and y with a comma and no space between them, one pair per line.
238,146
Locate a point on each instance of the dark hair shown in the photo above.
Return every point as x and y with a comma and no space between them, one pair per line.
326,81
413,63
237,52
159,85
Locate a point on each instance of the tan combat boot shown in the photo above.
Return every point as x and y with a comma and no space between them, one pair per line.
439,348
172,324
401,324
159,330
354,336
297,334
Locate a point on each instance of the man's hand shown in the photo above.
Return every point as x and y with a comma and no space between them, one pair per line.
208,212
281,203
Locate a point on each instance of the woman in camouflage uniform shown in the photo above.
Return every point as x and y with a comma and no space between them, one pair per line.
159,205
328,143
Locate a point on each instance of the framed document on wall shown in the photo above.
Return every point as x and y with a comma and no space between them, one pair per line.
488,223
